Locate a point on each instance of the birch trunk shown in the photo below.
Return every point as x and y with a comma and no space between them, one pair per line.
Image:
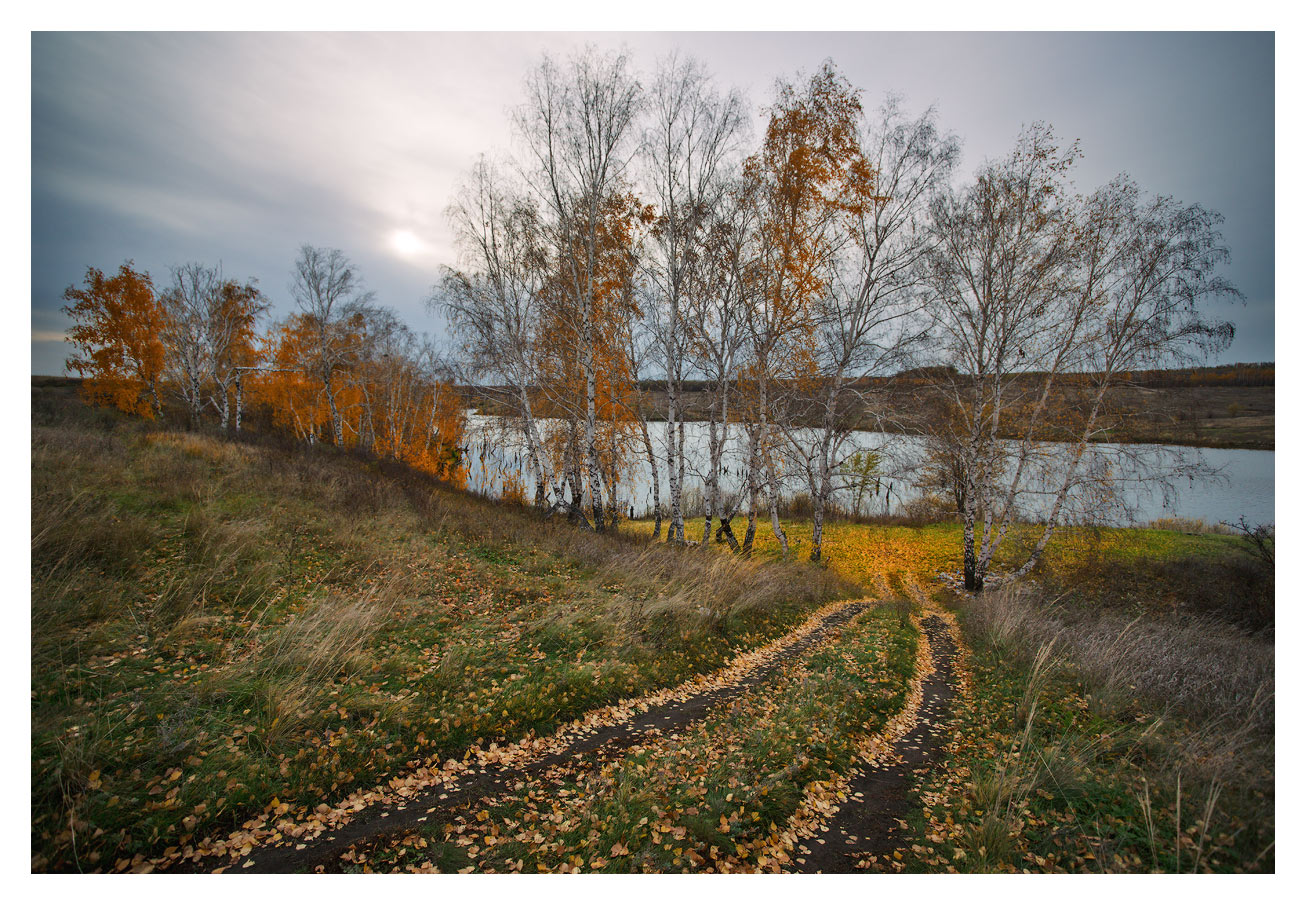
533,451
240,399
653,473
972,574
337,426
676,526
712,501
591,447
226,409
772,481
773,503
818,525
819,483
751,531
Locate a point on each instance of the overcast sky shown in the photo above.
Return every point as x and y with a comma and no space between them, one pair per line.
238,148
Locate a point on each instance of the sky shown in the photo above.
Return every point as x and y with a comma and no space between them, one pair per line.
238,148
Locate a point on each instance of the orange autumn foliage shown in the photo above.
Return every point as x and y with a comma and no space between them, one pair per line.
613,306
387,406
809,173
425,428
291,396
118,322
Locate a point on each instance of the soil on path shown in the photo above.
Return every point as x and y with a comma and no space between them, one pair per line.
868,822
380,821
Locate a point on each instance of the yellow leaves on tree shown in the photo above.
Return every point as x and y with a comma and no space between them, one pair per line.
809,171
117,326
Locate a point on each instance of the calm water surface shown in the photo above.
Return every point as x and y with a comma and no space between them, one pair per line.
1232,483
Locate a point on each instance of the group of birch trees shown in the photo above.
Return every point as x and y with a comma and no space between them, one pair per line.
641,237
1041,301
638,241
339,369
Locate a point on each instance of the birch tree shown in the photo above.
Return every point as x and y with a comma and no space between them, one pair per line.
1150,264
494,304
232,340
195,293
866,323
692,133
577,126
717,334
809,172
329,293
999,275
1034,292
613,314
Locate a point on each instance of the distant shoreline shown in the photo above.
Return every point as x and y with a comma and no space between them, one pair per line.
1202,416
1229,417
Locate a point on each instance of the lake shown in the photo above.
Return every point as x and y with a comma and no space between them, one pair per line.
1214,485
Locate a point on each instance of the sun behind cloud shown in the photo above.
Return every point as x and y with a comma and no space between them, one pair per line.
406,243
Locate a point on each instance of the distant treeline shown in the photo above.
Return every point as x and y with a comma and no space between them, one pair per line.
1242,374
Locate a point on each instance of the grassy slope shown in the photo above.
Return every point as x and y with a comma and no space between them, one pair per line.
222,628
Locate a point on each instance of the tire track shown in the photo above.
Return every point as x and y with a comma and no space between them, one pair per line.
385,819
867,823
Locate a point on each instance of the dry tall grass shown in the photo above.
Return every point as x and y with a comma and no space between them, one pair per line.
1197,666
294,670
1193,698
1032,762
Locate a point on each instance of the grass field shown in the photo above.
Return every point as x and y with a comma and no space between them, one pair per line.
226,631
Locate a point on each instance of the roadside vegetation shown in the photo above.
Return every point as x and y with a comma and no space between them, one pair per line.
226,629
1090,741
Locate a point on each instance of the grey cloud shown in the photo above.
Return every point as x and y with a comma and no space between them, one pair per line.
165,148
